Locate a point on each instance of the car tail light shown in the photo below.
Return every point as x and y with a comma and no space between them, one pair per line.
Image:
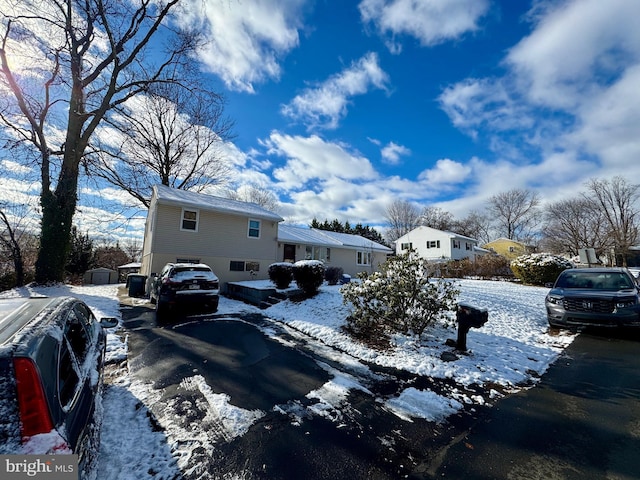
34,412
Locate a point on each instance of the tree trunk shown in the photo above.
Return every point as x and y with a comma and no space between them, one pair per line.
57,215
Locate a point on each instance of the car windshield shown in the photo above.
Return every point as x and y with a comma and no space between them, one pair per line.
186,273
595,280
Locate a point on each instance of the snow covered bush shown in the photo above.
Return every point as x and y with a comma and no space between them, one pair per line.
539,268
333,275
400,298
309,275
281,274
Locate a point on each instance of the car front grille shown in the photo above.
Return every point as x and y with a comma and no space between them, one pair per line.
589,305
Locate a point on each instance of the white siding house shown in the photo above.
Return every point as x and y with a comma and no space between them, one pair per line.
238,240
438,245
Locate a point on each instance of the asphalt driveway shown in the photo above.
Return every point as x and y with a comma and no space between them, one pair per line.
582,421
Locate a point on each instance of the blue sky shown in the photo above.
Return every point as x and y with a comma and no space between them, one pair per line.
341,107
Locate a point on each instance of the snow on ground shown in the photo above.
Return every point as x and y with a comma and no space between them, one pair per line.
512,350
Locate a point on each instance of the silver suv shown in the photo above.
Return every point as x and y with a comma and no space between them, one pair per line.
187,285
594,297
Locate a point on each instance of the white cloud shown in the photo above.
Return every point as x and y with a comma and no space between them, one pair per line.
325,105
568,103
246,39
430,21
575,49
312,158
446,171
392,152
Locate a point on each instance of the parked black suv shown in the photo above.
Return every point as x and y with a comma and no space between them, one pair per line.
51,357
186,284
594,297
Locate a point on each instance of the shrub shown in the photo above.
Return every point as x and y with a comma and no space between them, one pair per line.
333,275
309,275
400,298
485,267
281,274
539,268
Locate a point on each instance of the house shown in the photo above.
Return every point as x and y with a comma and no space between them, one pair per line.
508,248
238,240
353,253
438,245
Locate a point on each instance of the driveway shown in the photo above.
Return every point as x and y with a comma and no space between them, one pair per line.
311,413
581,421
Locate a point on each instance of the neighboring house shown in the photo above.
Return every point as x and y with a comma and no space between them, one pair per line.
238,240
352,253
508,248
432,244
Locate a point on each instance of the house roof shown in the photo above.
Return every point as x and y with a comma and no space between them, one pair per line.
181,198
425,229
314,236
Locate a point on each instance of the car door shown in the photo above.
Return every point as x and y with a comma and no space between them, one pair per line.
76,367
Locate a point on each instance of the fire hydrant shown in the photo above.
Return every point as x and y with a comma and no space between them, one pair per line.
467,317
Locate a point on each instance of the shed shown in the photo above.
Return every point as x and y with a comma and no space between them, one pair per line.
100,276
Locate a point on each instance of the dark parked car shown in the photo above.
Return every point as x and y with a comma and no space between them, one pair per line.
596,297
185,284
51,357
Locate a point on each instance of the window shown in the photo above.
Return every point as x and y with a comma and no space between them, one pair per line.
254,229
456,244
318,253
468,246
241,266
433,244
363,258
252,266
236,266
406,246
189,220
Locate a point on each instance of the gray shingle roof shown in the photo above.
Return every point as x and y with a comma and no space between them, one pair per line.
172,196
313,236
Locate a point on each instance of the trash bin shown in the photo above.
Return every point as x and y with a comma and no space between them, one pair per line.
136,283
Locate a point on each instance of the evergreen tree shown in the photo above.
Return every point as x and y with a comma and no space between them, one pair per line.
81,254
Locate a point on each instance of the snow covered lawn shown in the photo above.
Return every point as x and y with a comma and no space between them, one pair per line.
510,352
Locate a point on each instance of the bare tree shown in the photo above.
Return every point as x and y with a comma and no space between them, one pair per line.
170,136
64,66
401,217
474,225
576,223
255,194
436,217
617,199
15,237
516,213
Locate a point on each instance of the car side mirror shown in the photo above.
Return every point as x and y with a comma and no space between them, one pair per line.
108,322
548,285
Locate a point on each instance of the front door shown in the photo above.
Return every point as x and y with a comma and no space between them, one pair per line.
289,253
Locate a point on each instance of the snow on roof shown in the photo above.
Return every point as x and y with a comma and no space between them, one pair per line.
313,236
172,196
